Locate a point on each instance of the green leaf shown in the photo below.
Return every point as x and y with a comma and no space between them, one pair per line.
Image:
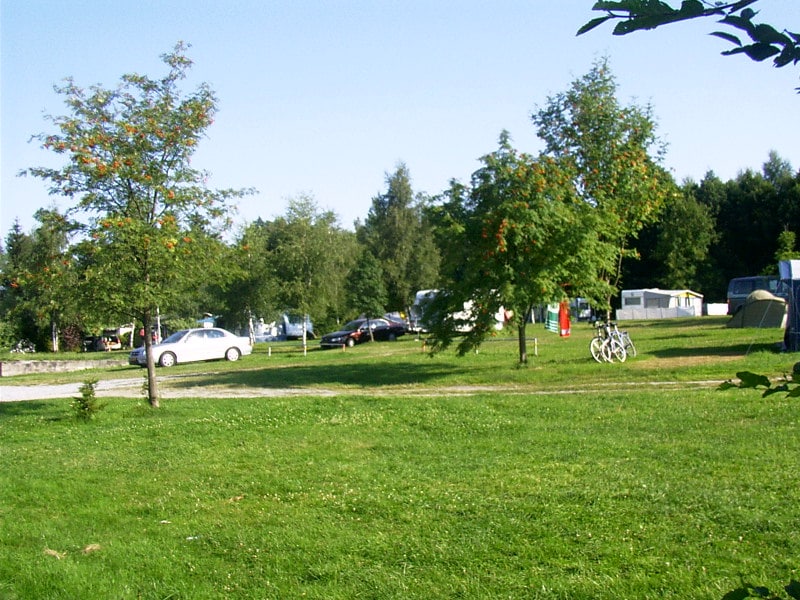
739,23
639,23
748,14
793,589
751,380
691,8
727,36
592,24
787,56
766,34
759,52
776,390
737,594
626,5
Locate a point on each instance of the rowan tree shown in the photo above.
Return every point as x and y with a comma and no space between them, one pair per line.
128,152
527,239
615,157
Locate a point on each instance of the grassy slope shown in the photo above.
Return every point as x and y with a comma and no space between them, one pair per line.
406,486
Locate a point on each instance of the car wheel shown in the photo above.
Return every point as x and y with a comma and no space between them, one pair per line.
232,354
167,359
392,337
350,342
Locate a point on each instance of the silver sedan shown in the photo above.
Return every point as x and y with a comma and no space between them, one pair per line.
189,345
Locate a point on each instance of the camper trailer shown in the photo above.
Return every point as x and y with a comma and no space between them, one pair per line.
655,303
417,317
289,326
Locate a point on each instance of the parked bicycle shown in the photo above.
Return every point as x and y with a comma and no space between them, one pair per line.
608,345
625,339
23,347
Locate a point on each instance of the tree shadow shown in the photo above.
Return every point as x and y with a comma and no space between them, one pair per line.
359,375
732,350
28,407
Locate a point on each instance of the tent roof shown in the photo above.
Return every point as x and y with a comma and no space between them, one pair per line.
757,295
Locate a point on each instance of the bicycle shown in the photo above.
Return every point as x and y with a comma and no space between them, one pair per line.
23,347
625,339
606,345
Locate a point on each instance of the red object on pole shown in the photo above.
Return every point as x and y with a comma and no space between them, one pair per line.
563,319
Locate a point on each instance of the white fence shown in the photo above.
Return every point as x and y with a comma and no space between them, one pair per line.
629,314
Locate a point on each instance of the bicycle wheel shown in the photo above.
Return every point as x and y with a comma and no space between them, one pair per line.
617,350
597,349
629,347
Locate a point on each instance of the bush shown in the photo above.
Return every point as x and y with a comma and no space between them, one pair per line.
87,405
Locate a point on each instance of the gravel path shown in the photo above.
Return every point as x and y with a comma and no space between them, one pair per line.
132,388
111,387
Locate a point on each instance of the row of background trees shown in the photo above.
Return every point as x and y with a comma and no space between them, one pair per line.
602,210
709,232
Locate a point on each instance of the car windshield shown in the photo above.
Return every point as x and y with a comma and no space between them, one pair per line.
175,337
353,325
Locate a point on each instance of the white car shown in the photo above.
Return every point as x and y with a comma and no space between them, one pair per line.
189,345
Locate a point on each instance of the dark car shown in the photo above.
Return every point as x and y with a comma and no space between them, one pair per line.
358,331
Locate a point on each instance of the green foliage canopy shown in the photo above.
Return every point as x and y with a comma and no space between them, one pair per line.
128,153
528,240
614,155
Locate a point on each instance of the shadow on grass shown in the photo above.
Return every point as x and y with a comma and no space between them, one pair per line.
29,407
731,350
361,375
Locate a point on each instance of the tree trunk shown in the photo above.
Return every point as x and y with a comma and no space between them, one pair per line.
54,333
152,383
523,342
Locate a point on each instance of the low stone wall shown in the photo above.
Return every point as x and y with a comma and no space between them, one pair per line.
26,367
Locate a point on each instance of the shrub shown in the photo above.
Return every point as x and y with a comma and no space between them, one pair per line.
87,405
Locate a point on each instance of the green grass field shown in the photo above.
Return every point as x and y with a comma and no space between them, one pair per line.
391,474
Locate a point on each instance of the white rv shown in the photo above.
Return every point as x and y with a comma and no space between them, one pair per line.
416,313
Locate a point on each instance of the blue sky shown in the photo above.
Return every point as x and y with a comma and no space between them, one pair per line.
326,97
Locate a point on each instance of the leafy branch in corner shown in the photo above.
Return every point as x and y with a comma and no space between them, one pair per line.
789,385
765,41
748,590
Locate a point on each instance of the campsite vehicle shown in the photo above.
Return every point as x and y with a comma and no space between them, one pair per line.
419,320
358,332
289,326
655,303
739,288
189,345
293,326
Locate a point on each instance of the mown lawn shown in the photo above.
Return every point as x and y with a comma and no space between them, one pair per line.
417,477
